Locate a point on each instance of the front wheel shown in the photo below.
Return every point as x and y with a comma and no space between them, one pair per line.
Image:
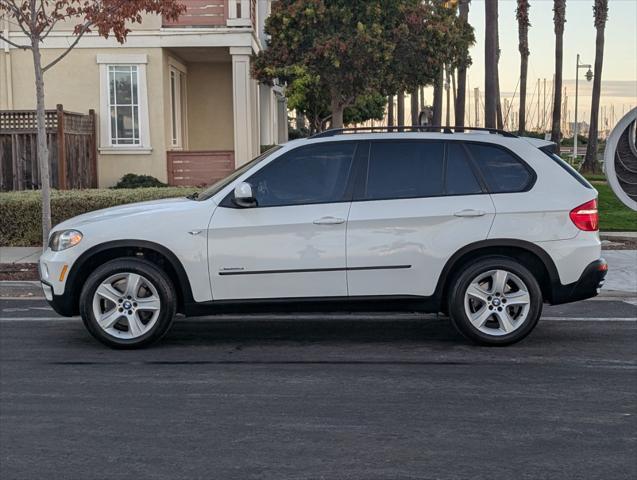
495,301
128,303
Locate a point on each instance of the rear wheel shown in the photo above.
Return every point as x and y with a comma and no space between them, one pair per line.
128,303
495,301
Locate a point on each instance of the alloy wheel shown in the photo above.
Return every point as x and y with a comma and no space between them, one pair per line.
497,302
126,305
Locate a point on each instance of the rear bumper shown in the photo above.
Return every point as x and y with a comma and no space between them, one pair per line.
588,285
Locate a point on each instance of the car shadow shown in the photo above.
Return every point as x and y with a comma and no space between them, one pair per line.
311,329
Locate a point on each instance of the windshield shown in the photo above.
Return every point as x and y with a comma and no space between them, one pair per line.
218,186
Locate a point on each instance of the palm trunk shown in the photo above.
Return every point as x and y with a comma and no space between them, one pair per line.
590,162
401,109
522,16
490,60
43,149
524,68
414,106
556,132
499,122
390,111
462,73
437,103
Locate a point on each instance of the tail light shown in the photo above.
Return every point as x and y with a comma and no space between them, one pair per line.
586,217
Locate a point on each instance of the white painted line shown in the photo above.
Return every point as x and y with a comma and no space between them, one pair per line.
223,317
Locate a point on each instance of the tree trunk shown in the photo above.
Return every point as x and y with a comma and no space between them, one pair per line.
43,149
522,16
559,7
524,68
462,72
401,109
590,162
337,107
415,108
490,63
498,106
437,103
390,111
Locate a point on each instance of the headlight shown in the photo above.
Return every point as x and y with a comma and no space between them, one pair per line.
64,239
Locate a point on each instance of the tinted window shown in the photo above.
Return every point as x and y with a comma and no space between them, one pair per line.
501,170
459,178
313,174
405,170
570,170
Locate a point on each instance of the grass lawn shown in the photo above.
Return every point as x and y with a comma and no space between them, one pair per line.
614,216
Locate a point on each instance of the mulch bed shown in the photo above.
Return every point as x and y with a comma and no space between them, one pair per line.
19,271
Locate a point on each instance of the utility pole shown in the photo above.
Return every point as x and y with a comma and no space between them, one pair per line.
589,77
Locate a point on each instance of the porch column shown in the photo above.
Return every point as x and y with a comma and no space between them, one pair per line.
244,102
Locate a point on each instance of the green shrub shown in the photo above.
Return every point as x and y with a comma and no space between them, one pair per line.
132,180
20,212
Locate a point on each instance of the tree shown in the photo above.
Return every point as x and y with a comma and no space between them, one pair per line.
37,18
600,13
342,44
490,63
559,12
522,15
462,70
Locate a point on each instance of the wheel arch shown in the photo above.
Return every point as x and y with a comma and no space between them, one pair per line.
532,256
151,251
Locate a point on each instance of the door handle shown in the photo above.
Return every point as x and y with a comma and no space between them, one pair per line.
329,221
470,213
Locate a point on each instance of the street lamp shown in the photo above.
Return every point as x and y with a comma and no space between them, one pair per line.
589,77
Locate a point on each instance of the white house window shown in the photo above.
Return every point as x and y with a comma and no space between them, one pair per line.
124,119
123,81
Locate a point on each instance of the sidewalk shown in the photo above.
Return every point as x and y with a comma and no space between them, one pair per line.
20,254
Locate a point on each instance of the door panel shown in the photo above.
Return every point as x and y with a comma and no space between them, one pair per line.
420,233
302,246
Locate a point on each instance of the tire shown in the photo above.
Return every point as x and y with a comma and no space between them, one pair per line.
488,316
128,303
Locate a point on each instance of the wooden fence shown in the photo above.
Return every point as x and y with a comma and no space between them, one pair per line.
199,168
72,149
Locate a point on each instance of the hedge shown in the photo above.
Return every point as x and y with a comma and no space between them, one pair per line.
20,212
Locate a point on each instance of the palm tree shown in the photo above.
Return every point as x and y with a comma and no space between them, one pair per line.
400,109
437,100
463,13
600,13
522,15
390,111
559,11
490,62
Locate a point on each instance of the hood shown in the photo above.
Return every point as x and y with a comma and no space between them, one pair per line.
128,210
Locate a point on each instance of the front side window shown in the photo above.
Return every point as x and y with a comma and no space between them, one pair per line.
502,172
123,95
306,175
408,169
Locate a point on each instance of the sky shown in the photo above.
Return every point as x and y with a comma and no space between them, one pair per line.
619,77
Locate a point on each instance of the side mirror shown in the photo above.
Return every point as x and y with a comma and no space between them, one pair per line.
243,196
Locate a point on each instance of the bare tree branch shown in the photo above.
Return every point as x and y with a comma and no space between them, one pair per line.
81,33
22,47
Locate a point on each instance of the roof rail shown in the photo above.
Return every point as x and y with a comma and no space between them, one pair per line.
410,129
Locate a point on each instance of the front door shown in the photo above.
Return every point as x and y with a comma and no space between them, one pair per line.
421,201
292,244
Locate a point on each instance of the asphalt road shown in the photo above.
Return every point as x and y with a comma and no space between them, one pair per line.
313,397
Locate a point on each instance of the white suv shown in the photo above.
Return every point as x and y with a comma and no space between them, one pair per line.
482,225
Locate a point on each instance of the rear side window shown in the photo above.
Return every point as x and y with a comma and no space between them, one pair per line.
570,170
459,176
502,172
306,175
408,169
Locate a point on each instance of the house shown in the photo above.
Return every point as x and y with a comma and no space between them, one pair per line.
176,101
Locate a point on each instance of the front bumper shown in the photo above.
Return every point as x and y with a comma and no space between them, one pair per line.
588,285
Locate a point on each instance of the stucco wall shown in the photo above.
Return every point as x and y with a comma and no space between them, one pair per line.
75,83
210,124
